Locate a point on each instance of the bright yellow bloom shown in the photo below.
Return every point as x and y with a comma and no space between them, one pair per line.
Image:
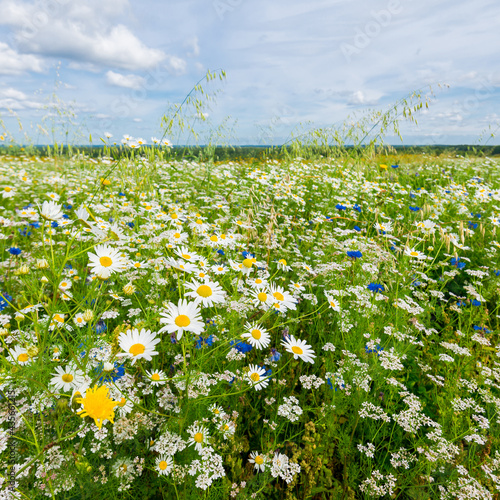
97,405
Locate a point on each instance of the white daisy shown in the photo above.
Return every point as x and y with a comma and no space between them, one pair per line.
106,260
19,355
185,316
256,377
299,349
51,211
67,378
138,344
164,465
198,436
156,377
258,460
208,292
257,336
282,300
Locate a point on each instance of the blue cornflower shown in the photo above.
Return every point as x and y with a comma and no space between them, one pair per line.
100,327
121,194
354,254
36,225
130,225
497,273
475,303
414,209
24,231
473,225
339,206
394,166
275,355
377,349
248,255
5,298
357,208
241,346
220,251
461,303
14,251
457,263
65,216
375,287
481,328
204,341
116,373
357,228
67,206
54,224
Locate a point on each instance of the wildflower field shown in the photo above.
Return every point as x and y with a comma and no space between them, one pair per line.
272,329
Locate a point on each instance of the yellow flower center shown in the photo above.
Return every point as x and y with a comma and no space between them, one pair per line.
198,437
256,334
248,263
58,318
186,256
258,281
163,465
155,377
204,291
67,377
282,261
137,349
297,350
182,321
414,254
105,261
8,189
278,296
259,460
177,235
174,216
255,377
262,296
214,238
199,221
332,303
22,358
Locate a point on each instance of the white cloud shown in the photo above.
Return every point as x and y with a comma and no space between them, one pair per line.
15,100
85,33
126,81
13,63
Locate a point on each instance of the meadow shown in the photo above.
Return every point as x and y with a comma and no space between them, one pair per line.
294,328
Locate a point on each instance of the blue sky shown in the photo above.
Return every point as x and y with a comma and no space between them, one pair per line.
114,66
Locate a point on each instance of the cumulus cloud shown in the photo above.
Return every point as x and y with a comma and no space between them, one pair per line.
126,81
14,100
85,33
13,63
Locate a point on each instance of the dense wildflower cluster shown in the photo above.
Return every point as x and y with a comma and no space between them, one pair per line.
249,329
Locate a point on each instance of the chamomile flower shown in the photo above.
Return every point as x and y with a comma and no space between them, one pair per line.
333,303
257,283
156,377
164,465
67,378
106,260
51,211
283,266
186,254
258,460
282,300
261,298
79,320
138,344
411,252
257,336
207,293
217,410
19,355
198,436
185,316
299,349
256,377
